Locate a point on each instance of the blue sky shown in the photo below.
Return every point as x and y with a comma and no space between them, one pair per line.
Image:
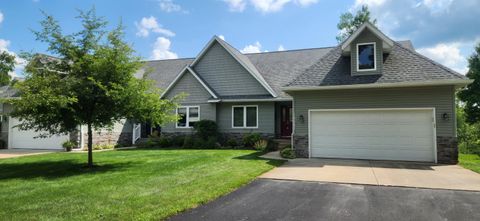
444,30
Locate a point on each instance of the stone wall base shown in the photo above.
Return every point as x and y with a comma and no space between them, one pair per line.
99,138
300,145
238,137
447,150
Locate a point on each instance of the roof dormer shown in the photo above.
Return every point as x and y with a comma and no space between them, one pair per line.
366,48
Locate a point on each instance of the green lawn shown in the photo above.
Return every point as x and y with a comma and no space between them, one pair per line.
127,185
470,161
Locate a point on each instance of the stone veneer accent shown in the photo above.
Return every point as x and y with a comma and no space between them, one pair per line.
447,150
300,145
122,138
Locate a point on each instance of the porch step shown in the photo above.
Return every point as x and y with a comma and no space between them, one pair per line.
283,142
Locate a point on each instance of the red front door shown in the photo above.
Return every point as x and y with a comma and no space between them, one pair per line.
286,121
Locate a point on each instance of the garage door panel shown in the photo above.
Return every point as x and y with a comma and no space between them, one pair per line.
21,139
373,134
337,141
374,130
373,155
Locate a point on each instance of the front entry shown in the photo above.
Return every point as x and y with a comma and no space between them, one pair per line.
286,121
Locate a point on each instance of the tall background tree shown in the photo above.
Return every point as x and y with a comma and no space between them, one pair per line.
468,110
350,22
7,65
471,94
88,81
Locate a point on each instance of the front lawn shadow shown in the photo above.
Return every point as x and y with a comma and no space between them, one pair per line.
54,169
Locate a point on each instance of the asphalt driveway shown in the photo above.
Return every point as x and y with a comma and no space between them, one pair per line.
266,199
384,173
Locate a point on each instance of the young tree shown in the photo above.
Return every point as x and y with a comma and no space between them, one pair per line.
90,81
471,94
349,22
7,64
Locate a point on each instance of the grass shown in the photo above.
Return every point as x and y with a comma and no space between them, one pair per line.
127,185
470,161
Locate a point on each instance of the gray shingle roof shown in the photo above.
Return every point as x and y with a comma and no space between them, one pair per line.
277,68
401,65
319,67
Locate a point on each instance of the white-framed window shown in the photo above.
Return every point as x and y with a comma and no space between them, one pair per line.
366,56
245,116
188,115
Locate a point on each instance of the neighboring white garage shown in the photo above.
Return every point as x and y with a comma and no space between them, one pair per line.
379,134
20,139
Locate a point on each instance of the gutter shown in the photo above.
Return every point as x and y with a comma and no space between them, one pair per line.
249,100
457,83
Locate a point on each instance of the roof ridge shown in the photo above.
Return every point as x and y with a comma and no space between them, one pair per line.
300,49
431,61
173,59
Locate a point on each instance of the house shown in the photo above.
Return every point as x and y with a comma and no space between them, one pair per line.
367,98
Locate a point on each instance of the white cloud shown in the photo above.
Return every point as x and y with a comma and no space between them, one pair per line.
170,6
253,48
150,24
20,62
1,17
281,48
265,6
221,37
236,5
448,55
161,49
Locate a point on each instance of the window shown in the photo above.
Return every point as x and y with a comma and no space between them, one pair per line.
245,116
366,57
188,116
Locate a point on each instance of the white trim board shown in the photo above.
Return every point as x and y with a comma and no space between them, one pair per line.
191,71
374,57
187,116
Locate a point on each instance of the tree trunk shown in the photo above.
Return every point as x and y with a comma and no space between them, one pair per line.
90,146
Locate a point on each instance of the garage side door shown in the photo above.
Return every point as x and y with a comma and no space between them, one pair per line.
21,139
397,134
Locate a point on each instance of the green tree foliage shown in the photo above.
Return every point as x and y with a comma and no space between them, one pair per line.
349,23
468,134
90,81
7,64
471,94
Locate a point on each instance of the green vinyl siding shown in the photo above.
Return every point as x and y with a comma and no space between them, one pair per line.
196,95
441,98
226,75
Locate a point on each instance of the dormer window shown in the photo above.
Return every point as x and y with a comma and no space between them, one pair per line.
366,57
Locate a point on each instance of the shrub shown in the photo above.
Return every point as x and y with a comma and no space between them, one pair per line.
272,145
287,153
231,143
206,129
188,142
163,142
260,145
177,141
250,139
3,144
103,146
212,142
69,145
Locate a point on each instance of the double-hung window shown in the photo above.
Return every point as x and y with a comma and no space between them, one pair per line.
245,116
188,116
366,57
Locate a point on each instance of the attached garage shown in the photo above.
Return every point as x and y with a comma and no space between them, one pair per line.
20,139
406,134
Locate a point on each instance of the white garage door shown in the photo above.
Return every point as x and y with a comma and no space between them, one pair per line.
379,134
21,139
